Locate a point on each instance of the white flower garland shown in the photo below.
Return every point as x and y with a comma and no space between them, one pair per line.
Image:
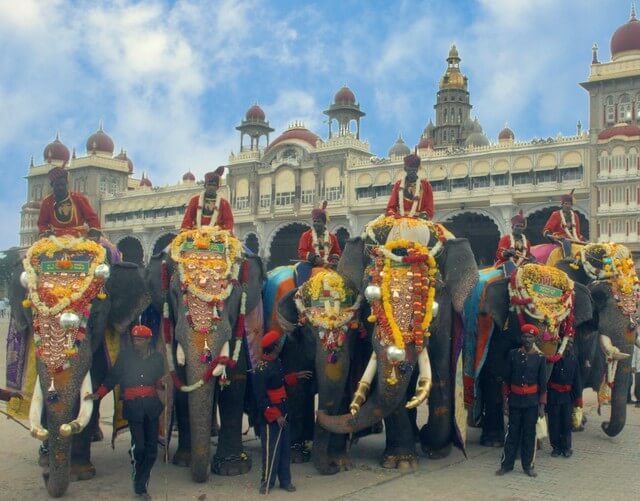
565,226
512,243
416,197
368,232
326,248
398,259
214,215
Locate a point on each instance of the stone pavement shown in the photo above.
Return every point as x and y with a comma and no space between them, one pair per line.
601,468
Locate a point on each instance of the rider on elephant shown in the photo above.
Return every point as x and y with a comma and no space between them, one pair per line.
417,197
66,212
209,208
514,249
317,247
563,226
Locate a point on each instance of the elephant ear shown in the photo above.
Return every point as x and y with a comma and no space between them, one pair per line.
583,306
287,311
128,293
257,277
496,301
352,262
17,294
576,274
459,270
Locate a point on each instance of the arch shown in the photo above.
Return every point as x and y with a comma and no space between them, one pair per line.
265,186
332,177
571,158
364,180
480,168
458,171
546,161
131,249
383,178
285,181
536,220
500,166
482,232
283,244
307,181
438,173
161,242
242,187
252,241
522,164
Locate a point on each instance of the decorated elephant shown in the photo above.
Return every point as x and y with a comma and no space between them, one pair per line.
608,271
406,284
209,293
67,306
494,313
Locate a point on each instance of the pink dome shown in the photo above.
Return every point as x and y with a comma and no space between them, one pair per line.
344,96
625,130
255,113
299,133
145,181
626,37
506,134
425,143
188,177
56,151
123,156
100,141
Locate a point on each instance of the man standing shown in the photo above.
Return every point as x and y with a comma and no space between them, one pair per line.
66,213
563,226
209,208
514,249
271,395
317,247
525,394
564,393
138,371
410,197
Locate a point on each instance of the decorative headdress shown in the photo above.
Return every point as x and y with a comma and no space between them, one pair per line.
529,329
214,177
412,161
519,219
57,173
321,213
568,197
141,331
270,338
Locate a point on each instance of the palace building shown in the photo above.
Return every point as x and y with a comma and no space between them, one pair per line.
478,183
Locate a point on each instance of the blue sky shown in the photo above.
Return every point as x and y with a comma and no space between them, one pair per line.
171,80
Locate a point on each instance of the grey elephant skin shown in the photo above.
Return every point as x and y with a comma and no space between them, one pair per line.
126,298
459,274
194,410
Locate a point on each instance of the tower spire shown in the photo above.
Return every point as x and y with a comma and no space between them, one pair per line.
633,11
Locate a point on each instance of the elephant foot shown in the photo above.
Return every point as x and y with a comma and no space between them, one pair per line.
402,462
182,457
231,465
342,462
97,436
577,428
300,453
439,453
82,471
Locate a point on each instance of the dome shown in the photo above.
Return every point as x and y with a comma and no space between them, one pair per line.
56,151
100,141
344,96
399,149
123,156
255,113
425,143
619,130
146,182
189,177
626,38
297,131
506,134
477,139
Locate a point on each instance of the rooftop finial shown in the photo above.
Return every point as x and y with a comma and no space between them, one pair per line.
31,164
100,126
633,11
57,136
594,54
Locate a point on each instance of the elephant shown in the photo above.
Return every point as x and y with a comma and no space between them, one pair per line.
496,311
213,353
456,276
333,349
608,271
69,422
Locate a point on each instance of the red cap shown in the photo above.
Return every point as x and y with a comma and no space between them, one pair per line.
529,329
567,198
412,161
518,219
57,173
270,338
141,331
320,213
214,177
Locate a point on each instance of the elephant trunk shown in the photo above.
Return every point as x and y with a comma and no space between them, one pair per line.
619,399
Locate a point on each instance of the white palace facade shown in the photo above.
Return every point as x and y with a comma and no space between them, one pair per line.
478,184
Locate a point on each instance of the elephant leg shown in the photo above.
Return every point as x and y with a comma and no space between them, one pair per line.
182,456
215,426
81,466
400,450
230,457
300,404
493,422
99,369
413,413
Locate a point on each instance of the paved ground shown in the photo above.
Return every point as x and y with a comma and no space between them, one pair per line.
601,467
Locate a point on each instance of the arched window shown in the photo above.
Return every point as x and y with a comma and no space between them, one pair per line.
445,115
624,109
610,111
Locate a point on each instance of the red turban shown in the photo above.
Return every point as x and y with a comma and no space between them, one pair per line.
141,331
320,213
518,219
412,161
214,177
567,198
270,338
529,329
57,173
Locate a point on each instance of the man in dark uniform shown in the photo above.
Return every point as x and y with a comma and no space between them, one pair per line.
269,385
139,371
564,392
525,395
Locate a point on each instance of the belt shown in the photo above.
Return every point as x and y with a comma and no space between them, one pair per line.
139,391
277,395
524,389
562,388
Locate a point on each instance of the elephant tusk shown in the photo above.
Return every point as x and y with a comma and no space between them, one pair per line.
84,414
224,352
180,356
563,345
611,350
35,413
364,385
424,381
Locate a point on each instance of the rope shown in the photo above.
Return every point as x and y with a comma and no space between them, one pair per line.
15,420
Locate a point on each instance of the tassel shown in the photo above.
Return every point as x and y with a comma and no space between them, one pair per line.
205,356
392,379
102,295
52,393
